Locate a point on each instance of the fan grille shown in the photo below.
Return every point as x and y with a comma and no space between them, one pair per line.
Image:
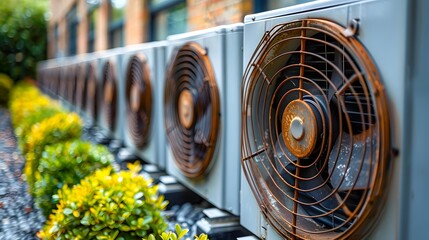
191,110
91,91
139,100
72,80
81,85
315,131
110,95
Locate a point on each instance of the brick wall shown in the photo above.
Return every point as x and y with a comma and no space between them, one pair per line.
209,13
201,14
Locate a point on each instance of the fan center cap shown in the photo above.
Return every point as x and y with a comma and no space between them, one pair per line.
135,98
299,128
186,109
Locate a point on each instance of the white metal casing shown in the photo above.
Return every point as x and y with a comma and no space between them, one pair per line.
382,31
221,183
154,151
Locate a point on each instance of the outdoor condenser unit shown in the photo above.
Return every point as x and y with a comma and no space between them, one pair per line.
323,119
111,74
202,112
88,88
144,69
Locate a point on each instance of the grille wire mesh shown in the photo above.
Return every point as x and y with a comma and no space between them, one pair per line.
91,91
109,95
81,85
191,110
315,131
139,100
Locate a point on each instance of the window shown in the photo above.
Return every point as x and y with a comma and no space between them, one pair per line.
92,16
72,23
167,17
265,5
116,23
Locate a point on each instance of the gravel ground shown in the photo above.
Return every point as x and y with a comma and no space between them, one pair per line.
19,219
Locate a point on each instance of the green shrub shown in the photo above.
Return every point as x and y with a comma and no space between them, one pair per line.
66,164
33,117
58,128
25,99
107,205
180,233
22,36
6,84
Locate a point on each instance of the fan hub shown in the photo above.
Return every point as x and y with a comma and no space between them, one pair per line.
135,98
299,128
186,109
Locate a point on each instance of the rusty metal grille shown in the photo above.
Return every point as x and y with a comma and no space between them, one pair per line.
110,95
91,91
56,74
81,85
73,71
64,81
139,100
315,131
191,110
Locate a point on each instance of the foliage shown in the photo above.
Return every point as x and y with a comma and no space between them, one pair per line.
5,87
180,233
66,164
34,117
22,36
25,99
107,205
59,128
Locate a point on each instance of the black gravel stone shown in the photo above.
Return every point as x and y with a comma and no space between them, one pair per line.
19,218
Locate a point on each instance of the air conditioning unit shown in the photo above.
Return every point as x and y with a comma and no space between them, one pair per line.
66,69
112,98
323,112
87,87
144,72
202,112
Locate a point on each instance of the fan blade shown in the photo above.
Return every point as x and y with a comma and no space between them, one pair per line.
354,150
203,99
287,170
336,78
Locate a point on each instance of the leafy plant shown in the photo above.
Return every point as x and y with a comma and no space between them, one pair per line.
180,233
25,99
22,36
58,128
6,84
107,205
66,164
33,117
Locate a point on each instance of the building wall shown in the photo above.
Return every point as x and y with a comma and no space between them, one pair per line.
201,14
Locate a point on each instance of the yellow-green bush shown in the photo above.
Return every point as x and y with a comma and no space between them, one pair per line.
26,99
33,117
6,84
66,164
179,234
107,205
58,128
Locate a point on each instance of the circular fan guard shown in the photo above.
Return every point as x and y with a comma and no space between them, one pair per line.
71,84
110,95
91,91
139,100
64,79
315,131
191,110
81,85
